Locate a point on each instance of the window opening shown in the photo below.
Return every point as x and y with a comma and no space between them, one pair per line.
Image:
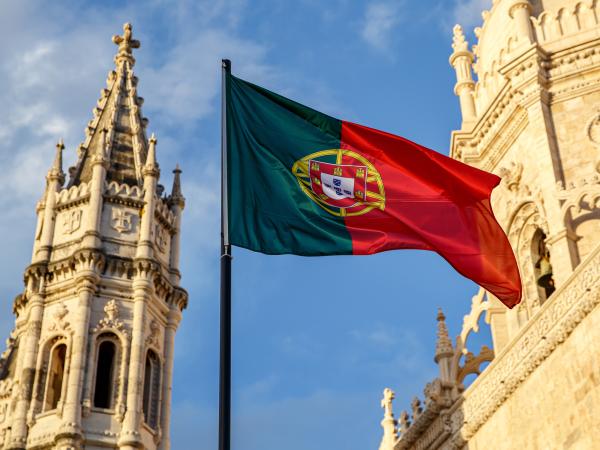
151,389
104,375
55,378
543,268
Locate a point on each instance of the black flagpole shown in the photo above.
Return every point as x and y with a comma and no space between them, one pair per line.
225,366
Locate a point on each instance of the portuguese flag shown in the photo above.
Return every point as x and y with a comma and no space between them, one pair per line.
302,182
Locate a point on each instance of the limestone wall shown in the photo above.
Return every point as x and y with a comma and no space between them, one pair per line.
558,405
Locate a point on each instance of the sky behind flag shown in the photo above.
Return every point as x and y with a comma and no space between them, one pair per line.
315,339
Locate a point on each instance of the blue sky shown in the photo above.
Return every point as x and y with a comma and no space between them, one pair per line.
315,340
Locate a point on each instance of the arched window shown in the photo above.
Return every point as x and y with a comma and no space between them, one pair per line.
151,389
55,377
542,267
105,363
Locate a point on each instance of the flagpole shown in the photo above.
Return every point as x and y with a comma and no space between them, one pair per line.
225,351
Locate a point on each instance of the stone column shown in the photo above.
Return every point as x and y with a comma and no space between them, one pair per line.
520,11
173,319
462,60
29,347
70,434
130,438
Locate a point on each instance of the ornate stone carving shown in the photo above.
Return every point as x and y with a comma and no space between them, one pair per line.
511,176
121,221
111,319
479,305
459,44
153,333
4,357
386,402
72,221
160,237
473,362
59,323
416,407
403,422
580,198
126,43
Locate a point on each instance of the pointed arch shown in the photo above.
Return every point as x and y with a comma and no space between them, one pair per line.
524,223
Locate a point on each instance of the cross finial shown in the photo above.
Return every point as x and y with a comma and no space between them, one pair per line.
126,44
386,402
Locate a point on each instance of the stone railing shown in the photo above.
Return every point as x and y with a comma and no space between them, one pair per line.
551,25
72,195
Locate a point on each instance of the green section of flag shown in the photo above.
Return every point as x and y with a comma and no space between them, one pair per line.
268,212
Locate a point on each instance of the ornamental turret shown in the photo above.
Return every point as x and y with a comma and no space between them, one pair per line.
90,361
520,12
462,61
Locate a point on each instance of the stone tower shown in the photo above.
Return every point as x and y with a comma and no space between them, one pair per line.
90,359
529,94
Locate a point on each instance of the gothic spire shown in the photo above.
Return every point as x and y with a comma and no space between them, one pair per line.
119,112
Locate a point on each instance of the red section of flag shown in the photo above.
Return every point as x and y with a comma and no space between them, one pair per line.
433,202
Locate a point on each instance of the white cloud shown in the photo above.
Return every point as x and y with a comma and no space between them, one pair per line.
468,12
380,20
185,85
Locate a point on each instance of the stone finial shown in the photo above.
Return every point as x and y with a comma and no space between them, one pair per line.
443,346
151,163
417,409
403,422
60,146
388,423
386,402
459,43
176,194
56,171
126,45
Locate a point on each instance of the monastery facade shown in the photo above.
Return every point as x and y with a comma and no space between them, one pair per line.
89,362
531,114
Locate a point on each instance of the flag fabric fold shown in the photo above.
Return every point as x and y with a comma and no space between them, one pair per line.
302,182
